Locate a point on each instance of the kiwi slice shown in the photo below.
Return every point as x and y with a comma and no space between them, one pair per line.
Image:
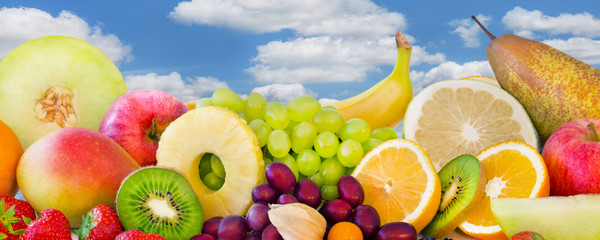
159,200
54,82
463,186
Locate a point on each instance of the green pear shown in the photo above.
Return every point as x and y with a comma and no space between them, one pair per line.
552,86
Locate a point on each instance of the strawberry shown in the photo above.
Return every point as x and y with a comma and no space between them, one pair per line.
51,224
101,223
15,214
135,234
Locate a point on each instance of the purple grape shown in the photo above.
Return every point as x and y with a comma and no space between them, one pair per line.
280,177
203,236
336,210
271,233
264,193
308,192
211,226
397,231
254,236
349,189
233,227
367,219
286,198
257,218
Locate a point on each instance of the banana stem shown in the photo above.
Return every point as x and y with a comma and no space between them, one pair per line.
401,41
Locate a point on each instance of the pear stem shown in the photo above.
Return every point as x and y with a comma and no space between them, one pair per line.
490,35
595,137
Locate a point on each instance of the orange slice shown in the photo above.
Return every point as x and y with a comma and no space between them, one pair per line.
400,182
514,169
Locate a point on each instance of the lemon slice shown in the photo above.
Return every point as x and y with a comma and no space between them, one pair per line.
223,133
464,116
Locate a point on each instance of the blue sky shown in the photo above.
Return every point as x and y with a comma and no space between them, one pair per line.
285,48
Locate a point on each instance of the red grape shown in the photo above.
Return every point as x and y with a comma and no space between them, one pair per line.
211,226
254,236
233,227
271,233
264,193
308,192
257,218
349,189
280,177
336,210
367,219
397,231
286,198
203,236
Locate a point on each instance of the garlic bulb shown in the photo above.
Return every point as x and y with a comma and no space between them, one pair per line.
297,221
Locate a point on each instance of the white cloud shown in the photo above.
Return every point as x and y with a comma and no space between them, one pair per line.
283,93
468,30
186,90
524,23
355,18
449,70
584,49
18,25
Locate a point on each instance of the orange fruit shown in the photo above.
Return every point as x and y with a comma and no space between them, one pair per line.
345,231
400,182
514,169
10,153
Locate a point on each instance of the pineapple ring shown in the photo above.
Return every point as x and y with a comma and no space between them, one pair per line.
221,132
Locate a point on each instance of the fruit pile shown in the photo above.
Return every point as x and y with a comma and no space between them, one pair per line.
96,160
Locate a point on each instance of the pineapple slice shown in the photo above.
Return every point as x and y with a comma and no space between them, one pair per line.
221,132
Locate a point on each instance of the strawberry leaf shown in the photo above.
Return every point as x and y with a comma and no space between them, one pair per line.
537,236
27,220
3,236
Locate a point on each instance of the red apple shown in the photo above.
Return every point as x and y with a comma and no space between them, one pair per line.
137,119
572,156
526,235
73,169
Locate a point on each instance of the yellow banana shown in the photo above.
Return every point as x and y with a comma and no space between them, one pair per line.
384,104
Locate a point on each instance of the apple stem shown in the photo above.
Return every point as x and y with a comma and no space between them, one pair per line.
154,134
490,35
595,137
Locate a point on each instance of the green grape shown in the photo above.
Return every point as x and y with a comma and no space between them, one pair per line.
356,129
328,120
329,107
267,161
331,170
308,162
370,144
349,153
303,108
276,115
226,98
349,171
217,166
290,128
255,106
317,178
384,133
203,102
204,167
262,130
289,161
212,181
329,192
303,136
278,143
243,116
326,144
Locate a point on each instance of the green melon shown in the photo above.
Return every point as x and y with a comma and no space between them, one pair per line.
53,82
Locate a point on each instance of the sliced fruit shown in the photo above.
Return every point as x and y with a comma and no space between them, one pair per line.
223,133
454,117
54,82
463,186
514,169
556,217
10,152
384,104
159,200
400,182
483,79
